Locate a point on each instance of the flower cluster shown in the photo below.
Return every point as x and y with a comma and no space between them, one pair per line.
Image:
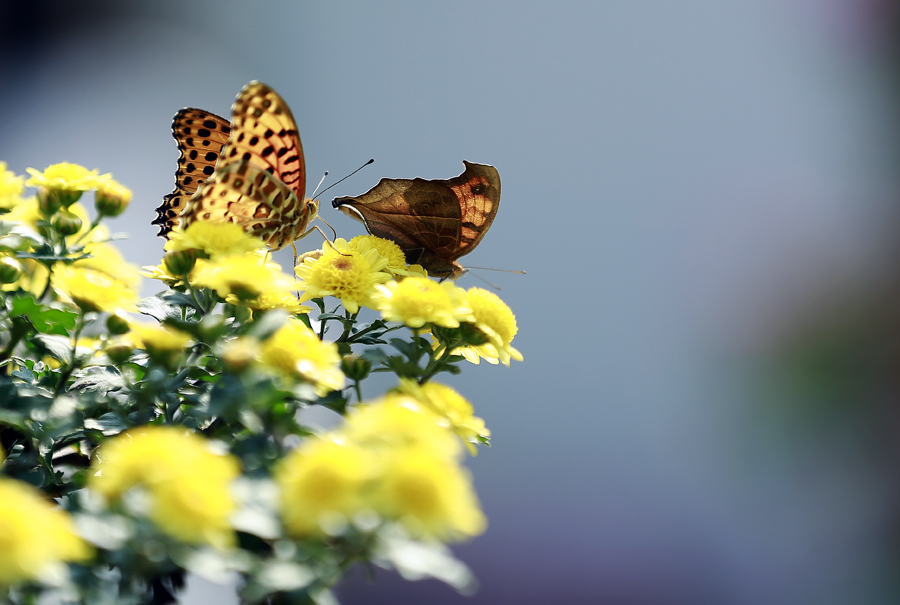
167,434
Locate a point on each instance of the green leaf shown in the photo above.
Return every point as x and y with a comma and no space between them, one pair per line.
58,347
45,319
160,308
99,379
108,424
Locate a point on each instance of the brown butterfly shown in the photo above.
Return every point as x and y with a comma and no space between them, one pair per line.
434,222
250,172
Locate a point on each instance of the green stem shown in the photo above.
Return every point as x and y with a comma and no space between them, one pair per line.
348,325
358,389
79,326
436,361
93,226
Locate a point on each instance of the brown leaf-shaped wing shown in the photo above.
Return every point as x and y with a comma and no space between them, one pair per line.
200,136
434,222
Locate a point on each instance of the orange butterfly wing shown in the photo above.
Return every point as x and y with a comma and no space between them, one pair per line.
200,135
264,133
257,179
434,222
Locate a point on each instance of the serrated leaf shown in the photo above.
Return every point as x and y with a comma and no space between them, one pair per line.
58,347
108,424
99,379
45,319
159,309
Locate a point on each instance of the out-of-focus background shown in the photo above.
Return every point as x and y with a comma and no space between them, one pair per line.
704,194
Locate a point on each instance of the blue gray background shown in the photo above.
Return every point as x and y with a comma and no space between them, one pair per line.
704,196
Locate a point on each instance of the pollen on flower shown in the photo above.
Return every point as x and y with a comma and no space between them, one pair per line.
343,273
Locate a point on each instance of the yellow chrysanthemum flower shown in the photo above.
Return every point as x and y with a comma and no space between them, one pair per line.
92,290
452,407
429,494
279,300
11,187
417,301
35,535
216,239
106,258
66,177
396,259
497,322
399,420
296,350
346,274
239,353
321,486
163,344
25,212
161,272
243,278
188,483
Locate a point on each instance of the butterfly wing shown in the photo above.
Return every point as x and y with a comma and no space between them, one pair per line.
264,133
247,195
200,135
434,221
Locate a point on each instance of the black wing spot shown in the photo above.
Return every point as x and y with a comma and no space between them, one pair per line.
266,103
240,138
204,132
254,141
281,151
247,155
190,167
269,133
193,154
208,170
189,141
267,151
186,130
211,156
209,124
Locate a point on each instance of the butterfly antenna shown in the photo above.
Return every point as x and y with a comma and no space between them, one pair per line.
313,196
476,276
503,270
347,177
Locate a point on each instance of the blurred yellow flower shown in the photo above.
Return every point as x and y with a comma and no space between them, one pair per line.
163,344
67,177
398,420
417,301
107,259
92,290
11,187
215,239
450,406
321,485
296,350
188,483
35,535
429,494
244,278
344,273
497,322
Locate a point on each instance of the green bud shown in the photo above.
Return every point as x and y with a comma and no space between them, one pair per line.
117,324
111,200
355,367
51,200
180,262
119,353
10,270
66,223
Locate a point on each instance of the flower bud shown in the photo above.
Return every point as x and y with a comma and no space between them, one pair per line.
119,352
111,198
180,262
117,324
66,223
10,270
50,199
355,367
